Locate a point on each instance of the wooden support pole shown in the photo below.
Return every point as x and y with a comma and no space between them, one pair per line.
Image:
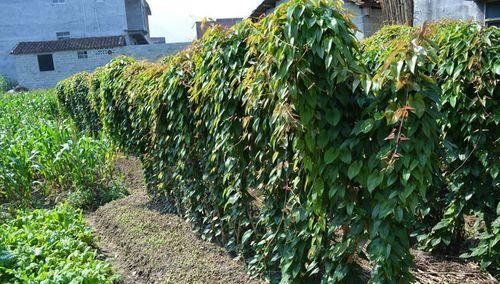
398,12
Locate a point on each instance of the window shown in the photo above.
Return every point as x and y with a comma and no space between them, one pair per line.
492,13
62,35
45,62
82,55
58,1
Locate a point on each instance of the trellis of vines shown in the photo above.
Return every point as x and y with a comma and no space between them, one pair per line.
466,186
274,140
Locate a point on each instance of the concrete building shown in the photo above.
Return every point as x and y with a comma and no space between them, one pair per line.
483,11
44,41
43,64
491,11
226,23
368,17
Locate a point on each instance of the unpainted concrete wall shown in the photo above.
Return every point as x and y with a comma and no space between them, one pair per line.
136,15
152,52
226,23
434,10
40,20
356,17
67,63
372,22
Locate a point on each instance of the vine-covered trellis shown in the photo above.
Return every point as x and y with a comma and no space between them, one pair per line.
301,151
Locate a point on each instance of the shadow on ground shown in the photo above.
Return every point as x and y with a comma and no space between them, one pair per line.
146,245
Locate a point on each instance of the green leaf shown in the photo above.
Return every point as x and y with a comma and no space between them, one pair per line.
328,61
323,139
418,104
497,69
412,63
233,199
246,236
453,101
319,186
399,67
6,258
333,117
331,155
310,143
398,214
354,169
345,156
367,125
374,180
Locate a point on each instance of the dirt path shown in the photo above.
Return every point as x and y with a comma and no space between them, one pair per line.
146,246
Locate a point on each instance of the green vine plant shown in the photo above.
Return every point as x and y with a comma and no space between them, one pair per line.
286,141
467,71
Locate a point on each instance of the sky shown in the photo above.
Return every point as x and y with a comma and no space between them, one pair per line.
175,19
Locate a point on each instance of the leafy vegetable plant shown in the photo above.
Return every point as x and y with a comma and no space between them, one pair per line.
50,246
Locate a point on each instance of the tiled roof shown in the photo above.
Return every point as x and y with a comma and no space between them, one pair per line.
68,44
268,4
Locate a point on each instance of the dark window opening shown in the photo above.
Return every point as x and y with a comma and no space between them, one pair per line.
45,62
139,39
492,15
83,54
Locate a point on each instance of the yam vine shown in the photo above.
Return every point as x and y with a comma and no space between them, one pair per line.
293,145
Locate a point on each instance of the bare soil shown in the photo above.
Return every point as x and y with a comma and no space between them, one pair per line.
147,245
446,269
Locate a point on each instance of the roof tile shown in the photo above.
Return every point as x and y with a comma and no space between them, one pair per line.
33,47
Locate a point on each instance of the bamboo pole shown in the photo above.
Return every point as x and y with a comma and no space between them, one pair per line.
398,11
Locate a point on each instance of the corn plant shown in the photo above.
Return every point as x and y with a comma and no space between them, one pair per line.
43,157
